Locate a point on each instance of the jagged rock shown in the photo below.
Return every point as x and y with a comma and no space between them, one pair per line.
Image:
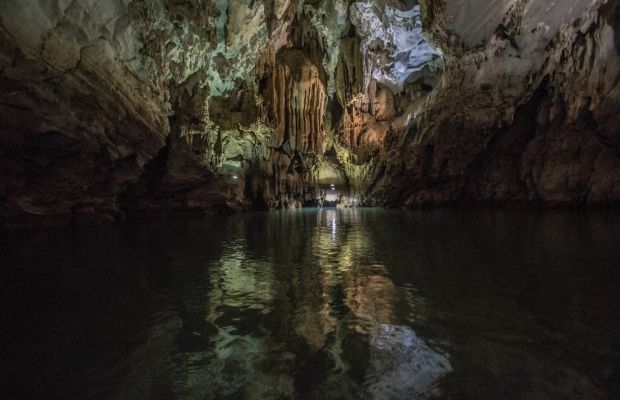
295,100
382,102
522,112
350,70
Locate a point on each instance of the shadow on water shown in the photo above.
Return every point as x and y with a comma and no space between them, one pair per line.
330,304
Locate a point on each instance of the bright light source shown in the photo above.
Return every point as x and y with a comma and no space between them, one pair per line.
235,177
333,188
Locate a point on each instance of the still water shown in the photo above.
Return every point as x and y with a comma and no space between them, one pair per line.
316,304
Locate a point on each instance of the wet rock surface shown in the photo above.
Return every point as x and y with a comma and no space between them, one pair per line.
122,108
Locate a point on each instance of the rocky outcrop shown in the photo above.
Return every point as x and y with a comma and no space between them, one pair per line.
80,116
525,114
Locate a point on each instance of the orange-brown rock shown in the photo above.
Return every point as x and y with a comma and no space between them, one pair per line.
382,102
295,100
350,70
368,117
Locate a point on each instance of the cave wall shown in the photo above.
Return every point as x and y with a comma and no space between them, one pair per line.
121,108
79,116
115,109
526,112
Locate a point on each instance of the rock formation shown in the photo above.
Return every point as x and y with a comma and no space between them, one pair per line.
113,109
525,113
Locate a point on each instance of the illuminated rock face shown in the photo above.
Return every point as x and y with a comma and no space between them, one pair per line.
526,112
119,108
295,100
394,47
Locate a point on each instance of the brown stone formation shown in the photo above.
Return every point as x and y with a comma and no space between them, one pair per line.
294,100
112,110
294,103
368,116
350,70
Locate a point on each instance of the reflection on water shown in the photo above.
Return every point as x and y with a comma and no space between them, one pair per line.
273,317
329,304
402,366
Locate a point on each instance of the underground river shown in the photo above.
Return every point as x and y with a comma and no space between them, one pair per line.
316,304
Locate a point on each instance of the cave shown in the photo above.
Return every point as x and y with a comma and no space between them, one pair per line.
310,199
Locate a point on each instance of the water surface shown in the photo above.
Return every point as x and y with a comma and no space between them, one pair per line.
316,304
